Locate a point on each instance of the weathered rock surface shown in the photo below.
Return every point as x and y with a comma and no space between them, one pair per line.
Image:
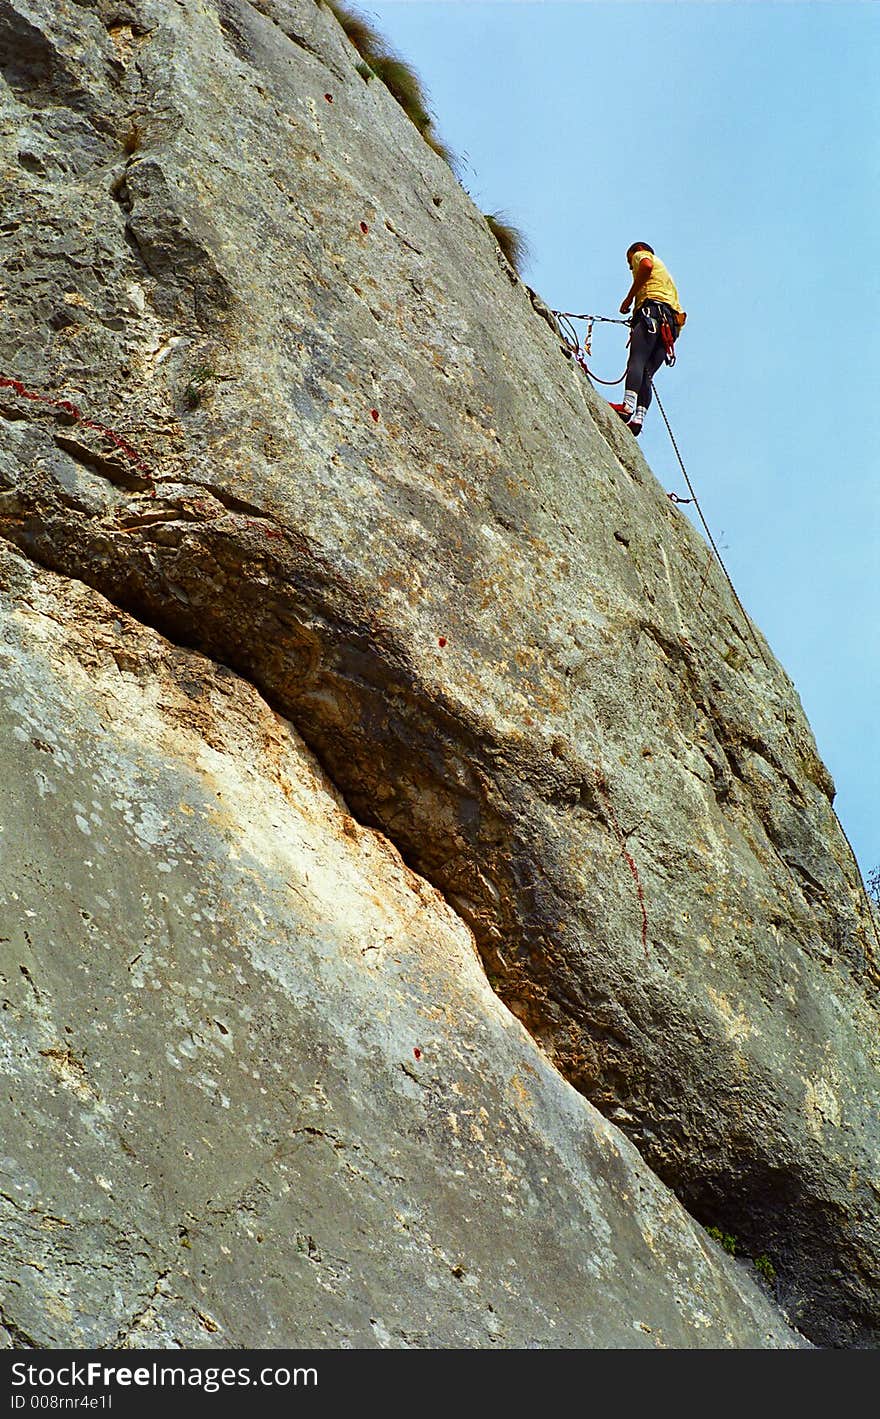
282,1103
379,493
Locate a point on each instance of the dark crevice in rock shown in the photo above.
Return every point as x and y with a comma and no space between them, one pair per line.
370,674
125,1331
26,56
20,1338
334,666
115,470
226,500
405,764
129,237
120,193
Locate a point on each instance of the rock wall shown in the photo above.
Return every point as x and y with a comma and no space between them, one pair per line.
356,469
262,1093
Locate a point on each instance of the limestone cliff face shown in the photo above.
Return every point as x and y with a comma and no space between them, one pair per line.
262,1091
359,476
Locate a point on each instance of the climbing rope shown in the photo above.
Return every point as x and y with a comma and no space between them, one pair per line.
612,382
606,319
673,497
573,343
570,336
695,500
572,340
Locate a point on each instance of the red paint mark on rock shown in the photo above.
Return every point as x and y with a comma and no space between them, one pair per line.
72,412
602,785
276,535
417,1052
364,228
374,414
441,641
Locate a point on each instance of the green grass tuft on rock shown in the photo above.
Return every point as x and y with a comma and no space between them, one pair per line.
724,1239
765,1268
200,384
366,40
509,238
378,60
435,142
400,79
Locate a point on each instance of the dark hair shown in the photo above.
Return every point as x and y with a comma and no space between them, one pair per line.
639,246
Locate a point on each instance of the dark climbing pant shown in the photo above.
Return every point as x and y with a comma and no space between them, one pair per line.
646,353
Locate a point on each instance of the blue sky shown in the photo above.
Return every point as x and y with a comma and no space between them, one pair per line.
741,138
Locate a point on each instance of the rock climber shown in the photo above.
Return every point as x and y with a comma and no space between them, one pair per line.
656,323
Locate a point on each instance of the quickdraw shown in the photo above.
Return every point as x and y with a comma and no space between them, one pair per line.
573,343
668,338
606,319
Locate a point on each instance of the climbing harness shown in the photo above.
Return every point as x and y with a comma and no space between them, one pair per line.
581,351
657,314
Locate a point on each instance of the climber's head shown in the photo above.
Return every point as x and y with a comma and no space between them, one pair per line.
638,246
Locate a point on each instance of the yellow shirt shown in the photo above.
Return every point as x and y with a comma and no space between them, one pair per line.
659,285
